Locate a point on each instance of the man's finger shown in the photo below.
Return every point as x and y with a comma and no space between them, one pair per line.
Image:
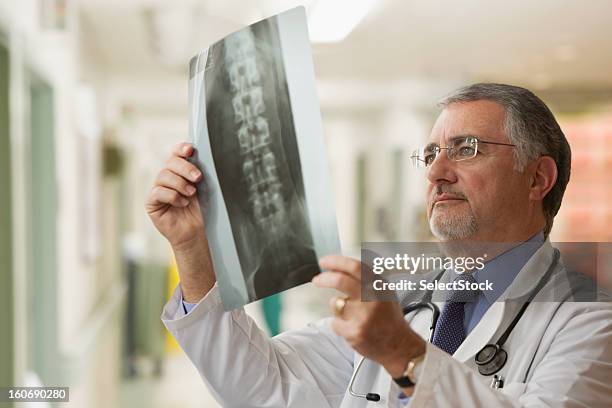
167,178
184,169
350,307
164,196
183,150
343,264
343,282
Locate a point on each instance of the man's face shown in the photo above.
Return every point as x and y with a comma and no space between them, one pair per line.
480,198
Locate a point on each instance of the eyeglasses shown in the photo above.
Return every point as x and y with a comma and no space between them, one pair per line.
460,148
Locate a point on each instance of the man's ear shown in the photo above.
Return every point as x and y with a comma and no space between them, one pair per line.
544,177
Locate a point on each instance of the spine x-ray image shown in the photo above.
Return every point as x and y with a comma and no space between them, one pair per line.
265,198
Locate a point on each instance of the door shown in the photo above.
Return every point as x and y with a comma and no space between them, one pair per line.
41,282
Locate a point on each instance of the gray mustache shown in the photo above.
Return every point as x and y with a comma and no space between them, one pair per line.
440,189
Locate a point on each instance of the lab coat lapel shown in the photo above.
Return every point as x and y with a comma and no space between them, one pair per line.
420,322
482,334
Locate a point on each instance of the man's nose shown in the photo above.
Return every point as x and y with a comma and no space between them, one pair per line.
442,170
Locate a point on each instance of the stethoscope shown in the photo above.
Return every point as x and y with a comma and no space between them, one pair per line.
491,358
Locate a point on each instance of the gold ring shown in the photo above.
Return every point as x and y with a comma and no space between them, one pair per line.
339,305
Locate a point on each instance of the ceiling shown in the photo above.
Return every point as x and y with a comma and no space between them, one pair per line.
546,44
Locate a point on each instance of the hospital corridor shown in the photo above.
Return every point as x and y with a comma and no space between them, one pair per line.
94,95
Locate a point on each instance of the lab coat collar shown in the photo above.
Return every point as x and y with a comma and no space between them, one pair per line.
531,274
503,270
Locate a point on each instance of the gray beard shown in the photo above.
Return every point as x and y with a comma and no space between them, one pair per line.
452,228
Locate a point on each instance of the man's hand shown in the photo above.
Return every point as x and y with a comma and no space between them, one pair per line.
173,207
172,204
376,330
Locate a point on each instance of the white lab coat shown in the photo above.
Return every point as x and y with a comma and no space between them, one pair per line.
559,354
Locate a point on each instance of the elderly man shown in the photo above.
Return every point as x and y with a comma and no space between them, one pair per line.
497,165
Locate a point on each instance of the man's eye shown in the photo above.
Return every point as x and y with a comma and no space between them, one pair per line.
429,158
465,151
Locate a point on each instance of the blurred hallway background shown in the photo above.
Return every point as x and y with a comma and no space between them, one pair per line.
93,95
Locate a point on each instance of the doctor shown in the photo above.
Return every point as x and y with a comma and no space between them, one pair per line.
497,165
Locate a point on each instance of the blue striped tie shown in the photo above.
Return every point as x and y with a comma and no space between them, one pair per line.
450,331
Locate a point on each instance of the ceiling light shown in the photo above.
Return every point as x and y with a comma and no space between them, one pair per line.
333,20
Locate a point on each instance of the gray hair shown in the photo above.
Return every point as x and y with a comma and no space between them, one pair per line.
532,127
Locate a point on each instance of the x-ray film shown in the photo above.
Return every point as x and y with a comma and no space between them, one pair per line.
266,195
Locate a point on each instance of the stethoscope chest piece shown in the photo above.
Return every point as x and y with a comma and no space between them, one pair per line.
491,359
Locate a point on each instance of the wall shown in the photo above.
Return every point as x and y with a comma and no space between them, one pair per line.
86,317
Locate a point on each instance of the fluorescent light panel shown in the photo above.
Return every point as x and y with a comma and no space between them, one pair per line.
333,20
